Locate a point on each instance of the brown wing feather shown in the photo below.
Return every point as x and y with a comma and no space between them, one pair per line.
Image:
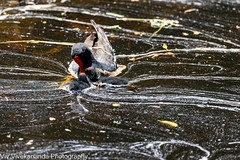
101,47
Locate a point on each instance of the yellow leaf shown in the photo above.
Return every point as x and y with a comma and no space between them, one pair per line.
196,32
52,118
165,46
116,105
237,26
190,10
173,124
132,59
137,33
185,34
30,142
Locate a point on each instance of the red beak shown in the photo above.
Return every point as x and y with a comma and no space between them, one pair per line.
79,62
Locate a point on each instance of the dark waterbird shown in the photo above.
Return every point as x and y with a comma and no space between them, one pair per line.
95,53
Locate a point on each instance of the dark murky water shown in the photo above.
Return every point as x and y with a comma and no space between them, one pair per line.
198,88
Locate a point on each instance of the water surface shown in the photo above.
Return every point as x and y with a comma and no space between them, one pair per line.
197,88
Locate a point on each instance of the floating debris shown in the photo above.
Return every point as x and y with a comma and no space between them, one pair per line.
185,34
116,105
196,32
155,23
201,106
116,27
154,55
3,17
37,41
117,122
66,81
139,33
52,118
190,10
20,139
173,124
132,59
52,51
165,46
68,130
114,14
30,142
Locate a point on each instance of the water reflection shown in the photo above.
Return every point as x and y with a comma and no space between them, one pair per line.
197,88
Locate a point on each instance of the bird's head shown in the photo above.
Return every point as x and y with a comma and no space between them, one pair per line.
82,55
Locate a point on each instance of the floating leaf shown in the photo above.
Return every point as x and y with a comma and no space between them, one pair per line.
117,122
155,23
37,41
60,19
102,131
39,6
185,34
196,33
116,27
76,29
237,26
201,106
173,124
69,104
165,46
30,142
3,17
68,130
116,105
132,59
161,23
52,118
139,33
154,55
20,139
66,80
8,136
190,10
115,14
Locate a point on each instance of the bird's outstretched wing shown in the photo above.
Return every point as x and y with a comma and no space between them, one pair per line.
101,47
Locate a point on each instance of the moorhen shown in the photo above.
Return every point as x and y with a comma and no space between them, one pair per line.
95,53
